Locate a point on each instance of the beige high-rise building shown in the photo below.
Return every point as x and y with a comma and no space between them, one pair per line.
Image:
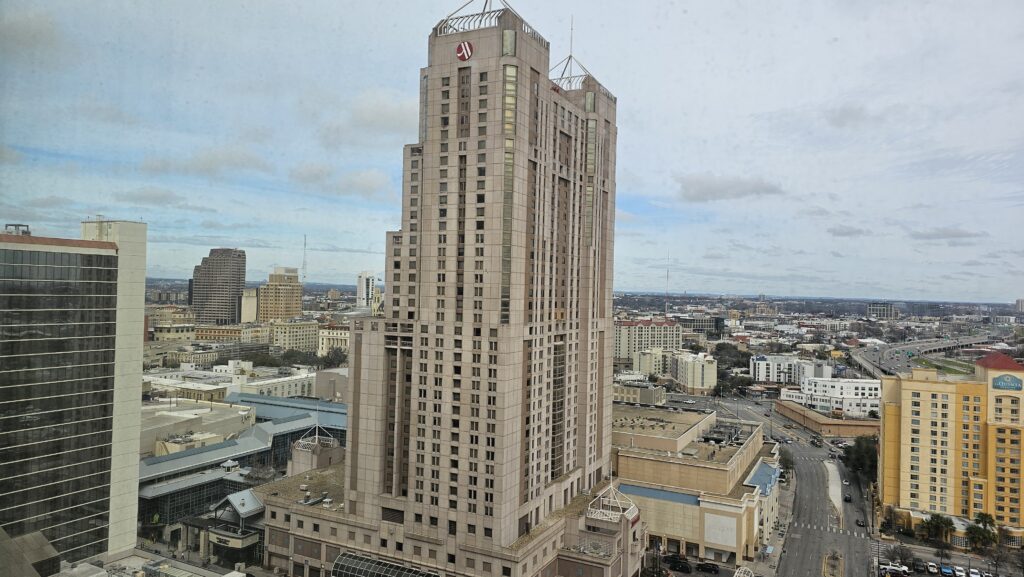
479,429
952,446
281,297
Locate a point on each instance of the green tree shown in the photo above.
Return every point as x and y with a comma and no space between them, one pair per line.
334,358
979,537
900,553
786,459
938,527
862,457
872,414
296,357
985,520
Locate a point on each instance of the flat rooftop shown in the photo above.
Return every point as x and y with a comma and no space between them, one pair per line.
654,422
159,413
330,480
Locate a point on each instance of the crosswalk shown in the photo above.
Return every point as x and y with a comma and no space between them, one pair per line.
823,528
811,458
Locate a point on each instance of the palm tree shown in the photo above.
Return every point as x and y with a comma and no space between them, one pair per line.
942,525
985,520
979,537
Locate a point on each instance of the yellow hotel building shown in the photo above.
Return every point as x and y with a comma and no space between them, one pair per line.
952,445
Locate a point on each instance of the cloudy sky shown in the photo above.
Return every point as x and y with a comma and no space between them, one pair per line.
871,149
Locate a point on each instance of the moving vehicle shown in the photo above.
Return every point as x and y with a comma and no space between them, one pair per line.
861,523
846,482
706,567
848,498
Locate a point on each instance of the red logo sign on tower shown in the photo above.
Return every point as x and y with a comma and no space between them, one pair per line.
464,50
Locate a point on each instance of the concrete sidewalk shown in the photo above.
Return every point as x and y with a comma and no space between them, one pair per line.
835,489
766,565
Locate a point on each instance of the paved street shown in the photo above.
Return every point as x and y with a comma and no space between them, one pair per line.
815,529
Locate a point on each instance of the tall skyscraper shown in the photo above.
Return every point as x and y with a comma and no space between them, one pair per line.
71,331
366,284
215,292
481,404
281,297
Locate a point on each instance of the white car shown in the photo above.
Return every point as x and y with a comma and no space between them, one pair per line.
959,571
895,567
846,482
974,573
933,569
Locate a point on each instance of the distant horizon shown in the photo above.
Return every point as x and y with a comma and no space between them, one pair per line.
752,296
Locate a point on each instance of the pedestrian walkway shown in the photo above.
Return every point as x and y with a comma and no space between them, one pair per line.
850,532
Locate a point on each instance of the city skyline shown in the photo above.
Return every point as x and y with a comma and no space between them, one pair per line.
899,180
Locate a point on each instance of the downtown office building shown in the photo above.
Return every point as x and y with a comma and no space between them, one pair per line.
71,330
480,406
215,291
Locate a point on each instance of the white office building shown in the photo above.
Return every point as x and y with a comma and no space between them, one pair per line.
854,398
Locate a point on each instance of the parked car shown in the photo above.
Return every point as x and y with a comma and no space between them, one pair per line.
959,571
681,566
974,573
932,568
918,565
897,568
671,558
706,567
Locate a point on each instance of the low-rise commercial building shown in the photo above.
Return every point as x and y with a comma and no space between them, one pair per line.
696,373
642,393
332,337
787,369
707,487
847,398
240,333
236,376
952,446
298,335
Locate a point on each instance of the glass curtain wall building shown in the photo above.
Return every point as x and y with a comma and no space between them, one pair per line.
71,327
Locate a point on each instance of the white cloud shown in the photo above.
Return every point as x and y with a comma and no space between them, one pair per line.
211,163
710,188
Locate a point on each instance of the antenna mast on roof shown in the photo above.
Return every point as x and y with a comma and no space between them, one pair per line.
667,265
303,259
